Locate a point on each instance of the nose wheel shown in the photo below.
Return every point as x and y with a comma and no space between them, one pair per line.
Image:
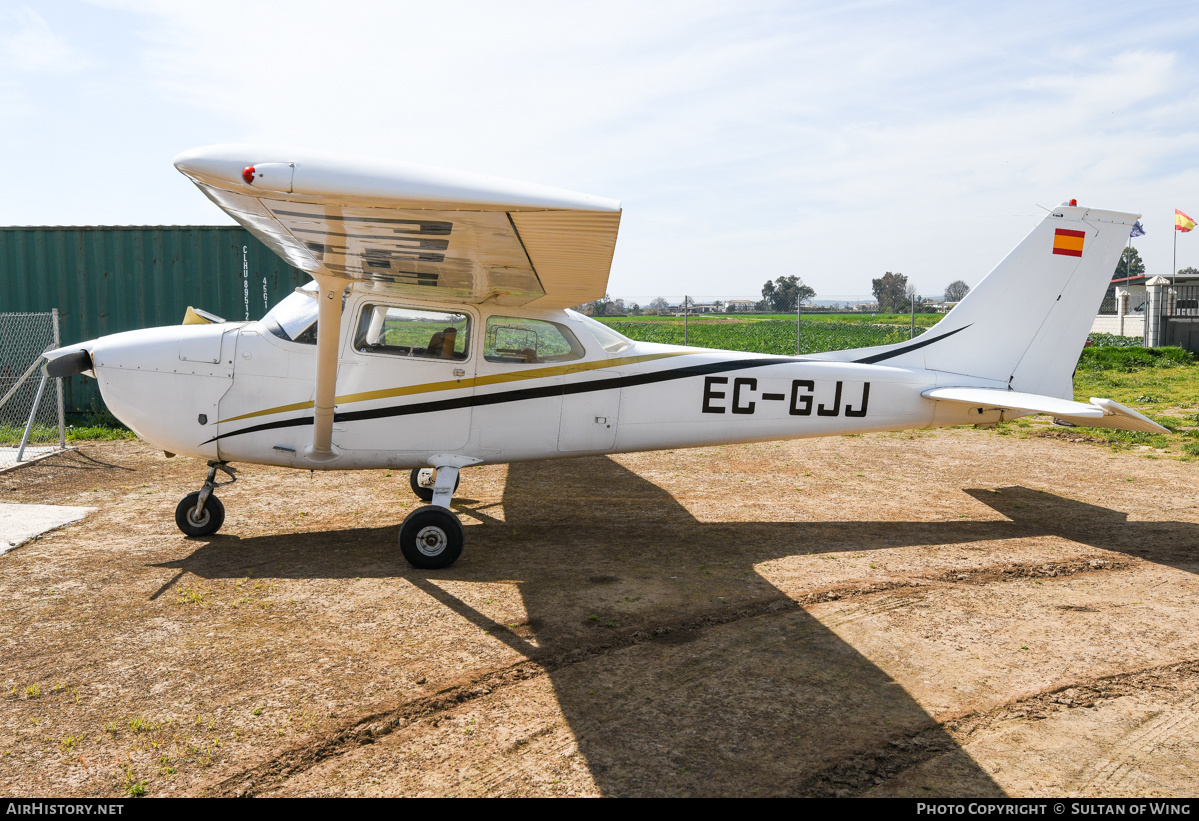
195,520
201,513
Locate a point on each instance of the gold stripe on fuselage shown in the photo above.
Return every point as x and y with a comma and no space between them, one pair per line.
453,384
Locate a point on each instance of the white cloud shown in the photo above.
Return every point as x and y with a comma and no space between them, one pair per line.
27,44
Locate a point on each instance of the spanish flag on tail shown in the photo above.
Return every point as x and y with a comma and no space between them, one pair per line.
1067,242
1182,222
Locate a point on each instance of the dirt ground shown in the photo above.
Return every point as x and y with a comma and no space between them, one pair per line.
932,614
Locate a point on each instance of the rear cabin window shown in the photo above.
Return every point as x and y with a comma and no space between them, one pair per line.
527,341
388,329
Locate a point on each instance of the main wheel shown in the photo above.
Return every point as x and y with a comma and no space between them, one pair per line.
431,537
421,480
206,523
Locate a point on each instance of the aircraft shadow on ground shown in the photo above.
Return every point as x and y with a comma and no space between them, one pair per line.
768,704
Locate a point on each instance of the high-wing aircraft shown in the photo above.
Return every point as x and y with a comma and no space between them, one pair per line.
437,334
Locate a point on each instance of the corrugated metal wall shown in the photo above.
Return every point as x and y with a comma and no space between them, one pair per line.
107,279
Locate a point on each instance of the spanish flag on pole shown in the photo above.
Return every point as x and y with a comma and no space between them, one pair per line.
1182,222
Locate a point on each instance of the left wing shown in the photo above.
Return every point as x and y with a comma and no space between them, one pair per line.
414,230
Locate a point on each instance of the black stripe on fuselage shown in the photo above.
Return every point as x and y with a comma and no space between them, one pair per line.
521,394
879,357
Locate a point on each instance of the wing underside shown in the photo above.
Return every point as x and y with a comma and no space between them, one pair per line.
414,230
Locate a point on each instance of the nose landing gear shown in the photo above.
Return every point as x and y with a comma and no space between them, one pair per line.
201,513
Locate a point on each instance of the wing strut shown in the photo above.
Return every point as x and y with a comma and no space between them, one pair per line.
328,334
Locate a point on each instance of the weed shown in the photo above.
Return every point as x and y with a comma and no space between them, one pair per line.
142,725
134,787
191,595
33,691
258,711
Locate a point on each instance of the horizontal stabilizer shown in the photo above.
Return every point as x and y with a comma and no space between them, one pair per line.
998,399
1100,413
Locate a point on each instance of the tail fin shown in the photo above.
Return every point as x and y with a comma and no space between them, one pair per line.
1025,323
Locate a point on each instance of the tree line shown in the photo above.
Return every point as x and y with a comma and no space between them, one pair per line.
786,294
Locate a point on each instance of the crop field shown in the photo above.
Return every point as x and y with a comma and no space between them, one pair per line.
773,334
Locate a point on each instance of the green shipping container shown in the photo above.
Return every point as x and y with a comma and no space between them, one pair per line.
107,279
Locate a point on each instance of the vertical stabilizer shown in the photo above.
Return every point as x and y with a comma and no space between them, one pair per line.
1025,323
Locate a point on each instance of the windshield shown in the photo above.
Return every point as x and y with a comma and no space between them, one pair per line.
294,318
608,339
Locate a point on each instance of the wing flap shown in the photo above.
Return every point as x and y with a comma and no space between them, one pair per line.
1100,413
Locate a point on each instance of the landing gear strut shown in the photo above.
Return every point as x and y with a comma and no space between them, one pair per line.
201,513
431,536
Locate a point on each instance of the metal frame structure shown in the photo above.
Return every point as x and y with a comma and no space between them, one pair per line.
20,382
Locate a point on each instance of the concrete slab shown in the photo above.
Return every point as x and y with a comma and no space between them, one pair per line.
20,523
8,455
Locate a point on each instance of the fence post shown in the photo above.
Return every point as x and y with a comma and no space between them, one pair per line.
62,428
912,334
685,317
798,323
1154,311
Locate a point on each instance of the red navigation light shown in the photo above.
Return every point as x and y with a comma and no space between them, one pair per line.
248,175
1072,202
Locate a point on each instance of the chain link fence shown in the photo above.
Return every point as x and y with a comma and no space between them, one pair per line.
31,409
780,326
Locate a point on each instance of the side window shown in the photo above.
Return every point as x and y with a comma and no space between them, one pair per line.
410,332
525,341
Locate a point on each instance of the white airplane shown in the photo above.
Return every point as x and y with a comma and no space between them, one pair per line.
437,335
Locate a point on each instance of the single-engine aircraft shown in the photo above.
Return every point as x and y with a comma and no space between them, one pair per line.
437,334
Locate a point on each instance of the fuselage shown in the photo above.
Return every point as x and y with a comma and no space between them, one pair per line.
491,383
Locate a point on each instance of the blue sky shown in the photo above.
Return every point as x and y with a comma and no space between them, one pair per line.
746,140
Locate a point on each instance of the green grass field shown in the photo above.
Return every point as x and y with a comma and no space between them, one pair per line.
771,334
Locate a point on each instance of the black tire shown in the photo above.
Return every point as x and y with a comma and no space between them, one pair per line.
431,537
208,523
425,494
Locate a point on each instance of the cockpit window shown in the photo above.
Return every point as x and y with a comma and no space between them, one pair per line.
294,318
525,341
400,331
609,340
